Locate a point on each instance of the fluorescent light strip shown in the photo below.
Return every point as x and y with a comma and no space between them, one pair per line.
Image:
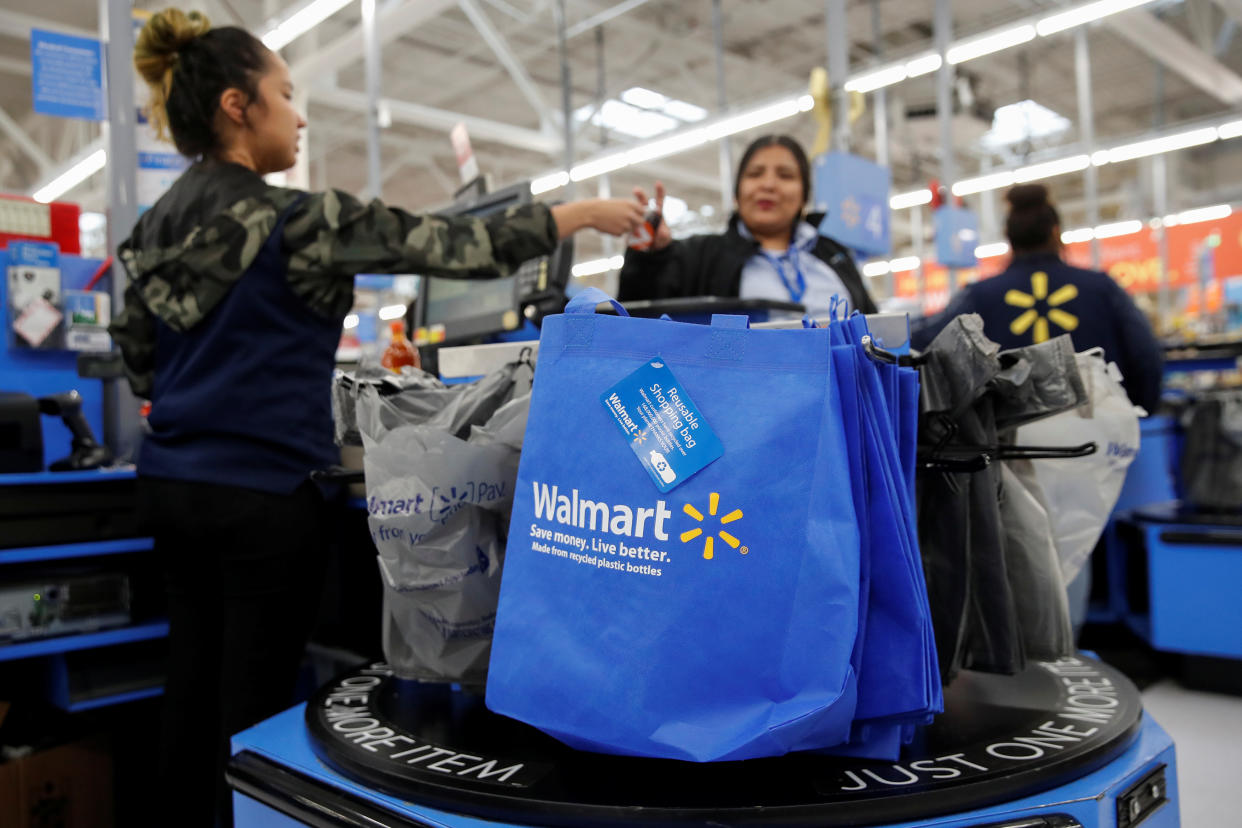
596,266
1048,169
992,181
923,65
1061,21
911,199
1155,146
666,146
1120,228
598,166
300,22
755,118
1213,213
545,183
877,80
1081,234
990,43
72,177
987,251
1233,129
673,144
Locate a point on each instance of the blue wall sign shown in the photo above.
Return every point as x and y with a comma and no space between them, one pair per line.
957,236
67,75
854,193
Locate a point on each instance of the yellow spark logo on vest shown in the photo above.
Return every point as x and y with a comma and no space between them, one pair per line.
713,504
1032,317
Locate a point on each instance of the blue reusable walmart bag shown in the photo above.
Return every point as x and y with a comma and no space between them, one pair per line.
721,623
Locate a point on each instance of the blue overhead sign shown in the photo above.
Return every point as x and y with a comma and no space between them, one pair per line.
957,236
67,75
854,193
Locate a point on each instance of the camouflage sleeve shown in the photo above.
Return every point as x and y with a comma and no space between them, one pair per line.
333,236
133,331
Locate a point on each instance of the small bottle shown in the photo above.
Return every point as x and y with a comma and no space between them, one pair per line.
645,235
399,352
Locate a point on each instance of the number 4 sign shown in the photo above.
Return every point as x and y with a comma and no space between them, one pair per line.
853,192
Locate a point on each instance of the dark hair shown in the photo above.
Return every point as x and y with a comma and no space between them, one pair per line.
187,66
804,166
1032,218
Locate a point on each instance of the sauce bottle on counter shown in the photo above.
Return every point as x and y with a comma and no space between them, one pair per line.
400,351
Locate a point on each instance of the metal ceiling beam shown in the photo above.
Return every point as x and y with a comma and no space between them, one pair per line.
602,18
517,72
1165,44
431,117
1233,8
18,25
393,20
23,140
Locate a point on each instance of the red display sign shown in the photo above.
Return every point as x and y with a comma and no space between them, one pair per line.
24,219
1133,260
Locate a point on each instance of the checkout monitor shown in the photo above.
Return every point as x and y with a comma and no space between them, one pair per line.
458,311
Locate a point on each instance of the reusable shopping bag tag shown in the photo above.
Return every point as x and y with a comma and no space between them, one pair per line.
662,425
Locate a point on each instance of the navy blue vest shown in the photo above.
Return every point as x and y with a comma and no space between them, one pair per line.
242,398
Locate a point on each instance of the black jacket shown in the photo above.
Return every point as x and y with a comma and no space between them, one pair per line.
711,265
1039,296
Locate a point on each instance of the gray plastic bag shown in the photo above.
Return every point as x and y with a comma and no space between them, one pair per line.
439,493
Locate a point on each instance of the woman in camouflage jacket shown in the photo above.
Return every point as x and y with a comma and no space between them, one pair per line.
237,291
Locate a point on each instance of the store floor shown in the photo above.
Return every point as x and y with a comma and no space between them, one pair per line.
1207,730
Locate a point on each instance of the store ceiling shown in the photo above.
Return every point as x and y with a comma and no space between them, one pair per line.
436,58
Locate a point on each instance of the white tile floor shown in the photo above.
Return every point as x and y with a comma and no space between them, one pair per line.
1207,732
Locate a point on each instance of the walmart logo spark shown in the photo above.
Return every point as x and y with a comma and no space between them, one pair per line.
713,504
1032,316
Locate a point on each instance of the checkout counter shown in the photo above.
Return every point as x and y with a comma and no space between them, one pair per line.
1061,745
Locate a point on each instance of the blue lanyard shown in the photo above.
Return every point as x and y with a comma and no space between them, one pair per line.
797,289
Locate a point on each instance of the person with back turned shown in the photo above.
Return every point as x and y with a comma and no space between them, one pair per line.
237,291
1039,296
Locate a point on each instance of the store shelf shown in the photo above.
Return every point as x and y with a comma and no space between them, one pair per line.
118,698
93,476
68,643
25,554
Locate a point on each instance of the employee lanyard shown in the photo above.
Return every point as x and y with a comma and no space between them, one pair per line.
798,288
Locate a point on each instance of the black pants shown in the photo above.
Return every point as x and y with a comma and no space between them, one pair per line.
244,574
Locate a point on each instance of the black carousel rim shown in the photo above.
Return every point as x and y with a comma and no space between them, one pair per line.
1000,738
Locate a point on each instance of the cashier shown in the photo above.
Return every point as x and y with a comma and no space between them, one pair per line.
237,291
770,250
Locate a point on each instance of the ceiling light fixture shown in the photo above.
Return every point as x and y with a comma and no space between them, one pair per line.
72,177
990,43
1214,213
284,32
914,198
987,251
1081,15
991,181
1120,228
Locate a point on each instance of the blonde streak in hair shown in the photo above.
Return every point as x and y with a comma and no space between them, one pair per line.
155,57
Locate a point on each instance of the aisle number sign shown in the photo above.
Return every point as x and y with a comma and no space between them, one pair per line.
66,75
957,236
853,192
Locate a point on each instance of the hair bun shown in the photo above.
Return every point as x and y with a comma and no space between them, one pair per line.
1028,196
163,36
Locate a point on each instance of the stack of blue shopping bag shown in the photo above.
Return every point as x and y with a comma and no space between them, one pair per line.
713,552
